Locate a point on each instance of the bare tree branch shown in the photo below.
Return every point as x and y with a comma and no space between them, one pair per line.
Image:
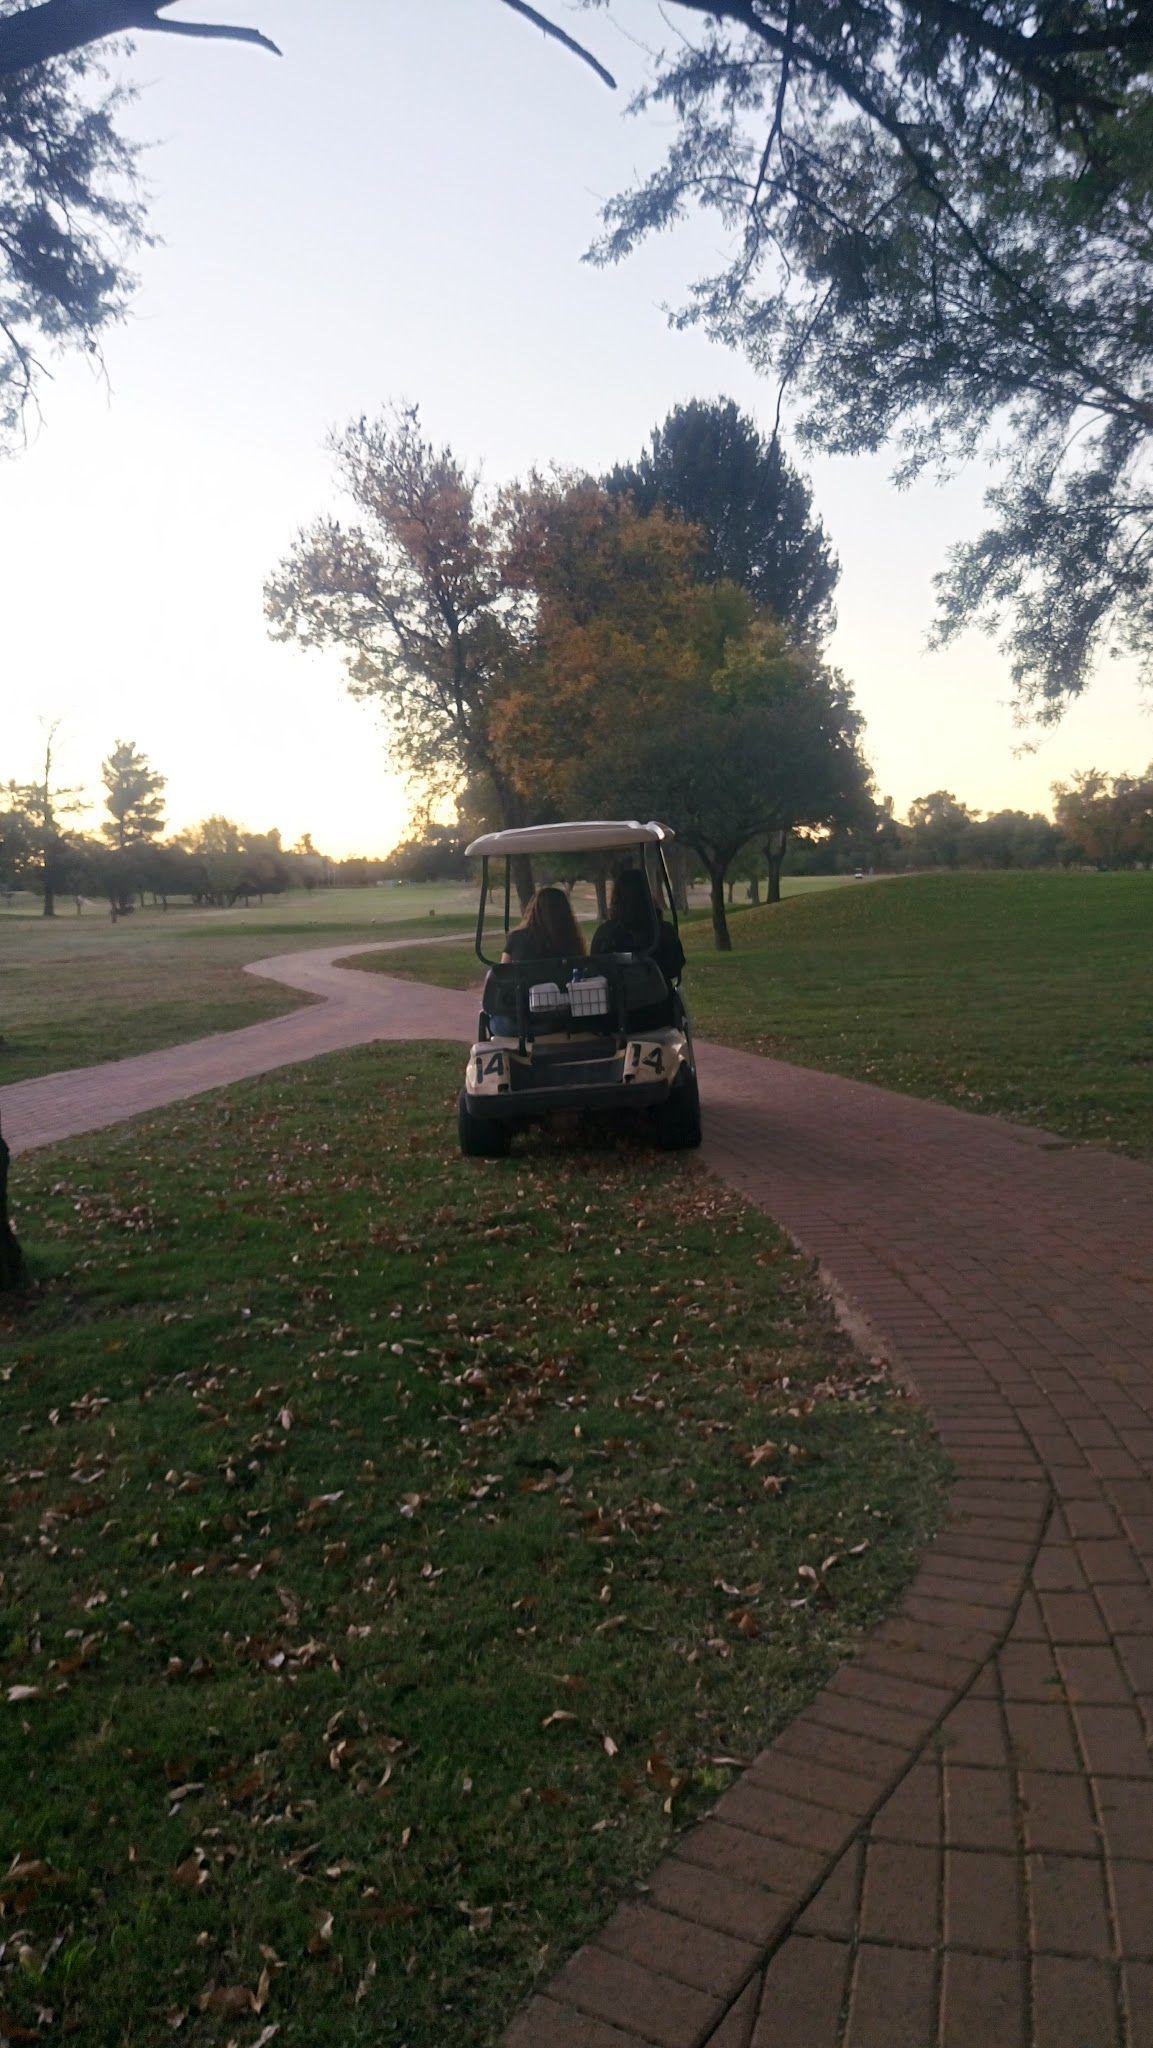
54,27
549,28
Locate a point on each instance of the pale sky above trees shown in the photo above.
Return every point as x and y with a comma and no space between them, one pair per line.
397,209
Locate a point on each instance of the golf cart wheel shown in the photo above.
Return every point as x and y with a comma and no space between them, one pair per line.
678,1120
481,1137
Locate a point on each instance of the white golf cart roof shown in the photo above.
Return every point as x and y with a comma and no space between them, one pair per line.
580,836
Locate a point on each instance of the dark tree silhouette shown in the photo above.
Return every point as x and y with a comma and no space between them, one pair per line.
710,462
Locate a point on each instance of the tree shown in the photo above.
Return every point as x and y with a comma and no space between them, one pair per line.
69,219
415,597
1107,821
1012,839
939,826
70,211
640,689
615,623
941,216
734,771
133,797
11,1257
43,806
17,851
710,463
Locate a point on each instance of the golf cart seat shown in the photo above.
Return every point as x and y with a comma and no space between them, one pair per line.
506,986
648,999
638,996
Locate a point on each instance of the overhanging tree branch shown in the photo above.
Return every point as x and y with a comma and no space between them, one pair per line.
57,26
560,35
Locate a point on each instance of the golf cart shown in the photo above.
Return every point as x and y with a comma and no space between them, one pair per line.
608,1032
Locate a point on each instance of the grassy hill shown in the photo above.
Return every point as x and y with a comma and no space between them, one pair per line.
1029,995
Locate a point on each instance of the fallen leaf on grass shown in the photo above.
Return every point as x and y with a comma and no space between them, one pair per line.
11,2030
550,1720
386,1916
322,1937
227,2001
15,1695
192,1874
30,1870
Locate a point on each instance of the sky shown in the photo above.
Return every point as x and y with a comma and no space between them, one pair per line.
396,209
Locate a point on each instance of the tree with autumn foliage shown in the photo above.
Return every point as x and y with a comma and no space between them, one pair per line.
1107,820
414,593
614,626
647,692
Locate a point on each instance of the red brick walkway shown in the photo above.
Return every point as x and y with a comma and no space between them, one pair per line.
953,1846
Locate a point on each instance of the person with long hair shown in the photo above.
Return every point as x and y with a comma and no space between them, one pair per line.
547,931
635,925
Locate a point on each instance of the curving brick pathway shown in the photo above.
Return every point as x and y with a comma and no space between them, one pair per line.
953,1846
346,1008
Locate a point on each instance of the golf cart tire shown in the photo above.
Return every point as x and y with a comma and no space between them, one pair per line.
481,1137
678,1121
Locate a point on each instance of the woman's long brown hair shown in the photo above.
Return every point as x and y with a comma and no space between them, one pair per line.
554,930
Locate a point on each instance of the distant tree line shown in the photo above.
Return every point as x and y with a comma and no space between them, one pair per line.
1098,821
129,862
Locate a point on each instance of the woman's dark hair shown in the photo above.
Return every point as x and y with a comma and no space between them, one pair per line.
554,930
631,904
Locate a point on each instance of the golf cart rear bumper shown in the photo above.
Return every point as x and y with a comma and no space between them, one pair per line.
618,1095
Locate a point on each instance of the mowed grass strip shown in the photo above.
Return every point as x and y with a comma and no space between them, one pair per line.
77,991
1022,996
397,1552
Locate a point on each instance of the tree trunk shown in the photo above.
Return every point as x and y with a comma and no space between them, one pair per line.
717,900
754,890
775,847
11,1258
522,880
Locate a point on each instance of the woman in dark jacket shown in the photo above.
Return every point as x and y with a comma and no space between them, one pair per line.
635,925
547,931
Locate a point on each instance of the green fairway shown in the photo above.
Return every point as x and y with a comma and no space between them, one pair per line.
77,990
1024,995
397,1552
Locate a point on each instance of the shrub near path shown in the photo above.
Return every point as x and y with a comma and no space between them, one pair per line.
396,1552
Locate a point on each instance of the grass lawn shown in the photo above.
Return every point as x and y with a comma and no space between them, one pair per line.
76,990
1028,996
396,1552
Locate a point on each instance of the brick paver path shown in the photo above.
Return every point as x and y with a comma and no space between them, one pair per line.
953,1846
348,1008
